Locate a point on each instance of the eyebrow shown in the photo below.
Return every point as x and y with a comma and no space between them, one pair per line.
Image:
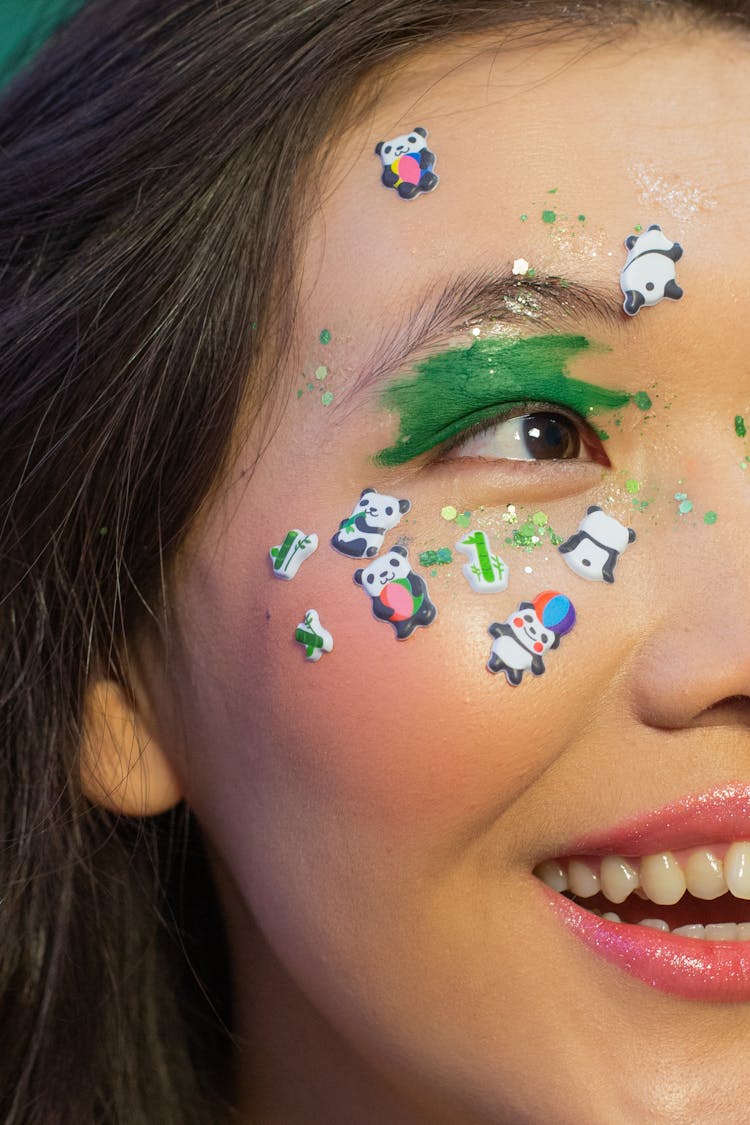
550,302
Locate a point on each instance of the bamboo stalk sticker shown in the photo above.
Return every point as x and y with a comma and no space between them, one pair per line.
485,572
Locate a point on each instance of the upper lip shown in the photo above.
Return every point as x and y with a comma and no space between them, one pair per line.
716,816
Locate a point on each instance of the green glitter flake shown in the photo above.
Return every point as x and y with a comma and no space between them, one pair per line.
739,426
527,535
602,435
581,218
710,518
327,398
632,486
642,400
535,532
442,557
463,520
449,512
524,218
549,216
300,394
552,191
321,372
325,336
638,228
685,505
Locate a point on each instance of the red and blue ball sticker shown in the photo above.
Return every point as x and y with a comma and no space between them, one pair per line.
555,611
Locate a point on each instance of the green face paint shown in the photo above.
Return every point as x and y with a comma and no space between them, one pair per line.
460,387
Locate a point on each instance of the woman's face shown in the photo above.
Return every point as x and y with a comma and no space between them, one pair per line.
376,816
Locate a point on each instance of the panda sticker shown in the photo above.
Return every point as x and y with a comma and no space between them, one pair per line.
408,164
398,594
595,548
361,534
520,642
648,275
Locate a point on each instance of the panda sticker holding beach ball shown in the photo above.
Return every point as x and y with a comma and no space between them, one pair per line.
648,275
408,164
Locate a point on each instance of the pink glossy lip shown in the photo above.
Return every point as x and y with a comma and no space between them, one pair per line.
718,816
687,967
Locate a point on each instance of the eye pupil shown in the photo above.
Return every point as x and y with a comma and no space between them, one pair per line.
550,437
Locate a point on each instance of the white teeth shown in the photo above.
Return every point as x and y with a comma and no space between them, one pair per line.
696,931
611,917
737,869
704,875
662,878
722,931
618,878
553,874
582,880
655,924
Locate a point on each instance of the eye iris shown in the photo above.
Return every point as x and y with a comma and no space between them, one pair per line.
549,437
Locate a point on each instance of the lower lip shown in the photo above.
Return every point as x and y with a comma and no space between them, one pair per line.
688,967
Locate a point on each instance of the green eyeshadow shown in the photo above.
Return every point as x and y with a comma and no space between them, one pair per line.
460,387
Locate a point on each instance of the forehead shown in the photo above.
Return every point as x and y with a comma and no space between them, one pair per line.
650,126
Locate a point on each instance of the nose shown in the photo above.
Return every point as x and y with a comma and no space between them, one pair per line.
691,667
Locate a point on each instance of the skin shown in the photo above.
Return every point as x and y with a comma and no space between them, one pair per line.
374,819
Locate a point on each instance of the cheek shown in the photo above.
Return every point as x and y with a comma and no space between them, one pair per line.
398,739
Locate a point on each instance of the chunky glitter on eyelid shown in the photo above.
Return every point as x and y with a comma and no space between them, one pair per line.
462,386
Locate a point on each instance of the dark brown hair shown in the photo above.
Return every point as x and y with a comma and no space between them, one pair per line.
152,162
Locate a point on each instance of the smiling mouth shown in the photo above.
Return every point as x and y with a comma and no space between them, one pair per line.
701,893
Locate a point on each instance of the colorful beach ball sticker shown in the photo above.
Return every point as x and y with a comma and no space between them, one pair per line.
555,611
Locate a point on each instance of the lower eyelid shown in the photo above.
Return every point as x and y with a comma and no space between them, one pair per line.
480,482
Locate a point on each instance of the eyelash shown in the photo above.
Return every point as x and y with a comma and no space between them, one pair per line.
589,439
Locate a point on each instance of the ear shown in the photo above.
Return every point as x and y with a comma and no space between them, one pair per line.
123,767
399,550
404,506
358,576
365,492
592,508
378,147
422,132
525,605
631,535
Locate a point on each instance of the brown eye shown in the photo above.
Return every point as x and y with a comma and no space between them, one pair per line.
536,435
548,437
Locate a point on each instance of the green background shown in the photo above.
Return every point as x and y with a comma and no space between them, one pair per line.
25,25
